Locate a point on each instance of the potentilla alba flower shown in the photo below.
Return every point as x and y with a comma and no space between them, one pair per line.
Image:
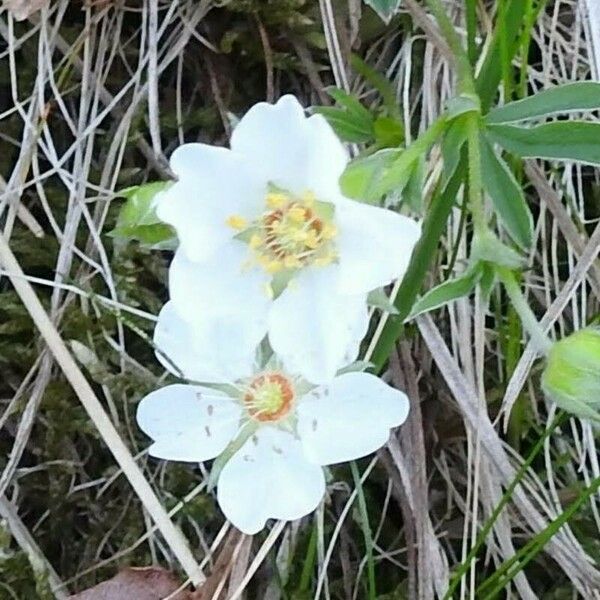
276,429
268,244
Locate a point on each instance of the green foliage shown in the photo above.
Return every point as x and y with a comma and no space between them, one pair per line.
361,178
449,291
137,219
379,299
571,97
562,140
506,195
352,121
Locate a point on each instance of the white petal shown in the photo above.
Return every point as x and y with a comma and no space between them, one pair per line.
212,351
213,184
313,329
374,245
269,478
290,150
350,418
219,285
188,423
225,303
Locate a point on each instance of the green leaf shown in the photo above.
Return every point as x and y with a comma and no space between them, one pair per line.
584,95
346,125
379,81
446,292
350,120
137,218
563,140
460,105
489,248
389,132
412,193
452,143
360,179
386,9
507,195
356,367
350,103
379,299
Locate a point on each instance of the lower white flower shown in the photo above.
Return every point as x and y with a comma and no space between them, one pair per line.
276,429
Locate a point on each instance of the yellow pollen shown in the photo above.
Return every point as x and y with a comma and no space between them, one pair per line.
292,262
300,235
297,214
236,222
255,242
276,200
312,240
273,266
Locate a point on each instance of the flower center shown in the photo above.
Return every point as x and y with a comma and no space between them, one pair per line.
292,232
270,397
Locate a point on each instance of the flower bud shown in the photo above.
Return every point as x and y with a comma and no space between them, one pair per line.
572,374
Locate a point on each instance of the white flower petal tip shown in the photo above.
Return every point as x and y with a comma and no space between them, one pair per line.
374,244
349,418
269,478
188,423
291,150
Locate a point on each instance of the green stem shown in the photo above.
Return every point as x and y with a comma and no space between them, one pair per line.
309,561
471,30
481,538
434,226
364,520
412,153
507,571
519,303
463,65
475,179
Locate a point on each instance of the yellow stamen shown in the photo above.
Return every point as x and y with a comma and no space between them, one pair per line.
273,266
236,222
255,241
276,200
292,262
297,214
312,240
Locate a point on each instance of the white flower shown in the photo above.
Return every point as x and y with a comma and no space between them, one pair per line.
288,429
268,244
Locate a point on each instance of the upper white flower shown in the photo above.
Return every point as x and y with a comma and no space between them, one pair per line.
288,429
268,244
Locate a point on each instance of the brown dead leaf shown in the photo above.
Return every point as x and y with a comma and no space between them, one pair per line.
147,583
21,9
